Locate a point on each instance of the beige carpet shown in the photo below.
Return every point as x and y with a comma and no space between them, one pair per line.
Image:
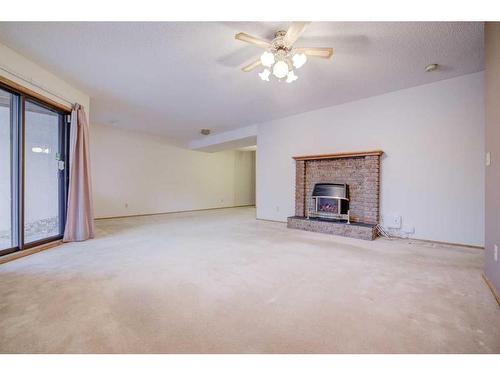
221,282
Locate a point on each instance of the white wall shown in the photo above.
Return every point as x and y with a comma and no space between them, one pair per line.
492,91
433,168
144,171
231,139
17,63
244,176
150,175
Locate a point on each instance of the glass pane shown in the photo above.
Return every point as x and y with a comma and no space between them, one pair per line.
7,240
328,205
41,173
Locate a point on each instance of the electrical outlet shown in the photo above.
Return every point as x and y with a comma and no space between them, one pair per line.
126,205
495,252
488,159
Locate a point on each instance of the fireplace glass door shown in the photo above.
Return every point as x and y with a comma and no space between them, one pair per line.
329,205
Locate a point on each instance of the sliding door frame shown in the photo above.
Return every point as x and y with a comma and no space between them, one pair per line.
14,117
18,165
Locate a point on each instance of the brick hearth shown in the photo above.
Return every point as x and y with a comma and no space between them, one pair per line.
354,230
360,170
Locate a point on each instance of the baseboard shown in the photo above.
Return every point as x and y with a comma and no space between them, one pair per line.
23,253
272,221
440,242
492,288
171,212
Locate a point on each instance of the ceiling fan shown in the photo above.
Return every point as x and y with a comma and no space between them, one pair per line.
280,56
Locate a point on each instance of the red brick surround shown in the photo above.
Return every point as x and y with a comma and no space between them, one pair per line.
361,171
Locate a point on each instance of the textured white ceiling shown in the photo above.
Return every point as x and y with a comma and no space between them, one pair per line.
174,78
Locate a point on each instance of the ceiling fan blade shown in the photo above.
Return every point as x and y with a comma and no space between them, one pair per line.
295,31
324,53
244,37
251,66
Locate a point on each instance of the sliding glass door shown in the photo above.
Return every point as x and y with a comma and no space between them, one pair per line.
43,173
33,178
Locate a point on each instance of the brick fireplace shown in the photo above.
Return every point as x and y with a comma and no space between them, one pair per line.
360,171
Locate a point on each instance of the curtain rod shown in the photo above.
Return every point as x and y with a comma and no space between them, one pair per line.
33,83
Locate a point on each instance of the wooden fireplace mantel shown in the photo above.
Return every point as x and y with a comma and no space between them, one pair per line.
340,155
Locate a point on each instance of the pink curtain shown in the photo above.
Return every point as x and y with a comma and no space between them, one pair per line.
80,214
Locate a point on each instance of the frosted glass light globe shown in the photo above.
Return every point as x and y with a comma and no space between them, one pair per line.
280,69
291,77
299,59
265,75
267,59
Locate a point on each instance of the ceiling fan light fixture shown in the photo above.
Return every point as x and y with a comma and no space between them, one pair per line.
280,69
279,57
267,59
299,59
264,75
291,77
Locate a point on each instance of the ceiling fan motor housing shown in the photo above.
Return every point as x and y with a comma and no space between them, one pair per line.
278,43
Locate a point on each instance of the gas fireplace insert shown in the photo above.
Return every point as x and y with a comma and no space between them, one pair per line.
329,201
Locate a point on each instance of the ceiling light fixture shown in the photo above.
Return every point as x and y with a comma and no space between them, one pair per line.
280,69
291,77
264,75
299,59
267,59
280,55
